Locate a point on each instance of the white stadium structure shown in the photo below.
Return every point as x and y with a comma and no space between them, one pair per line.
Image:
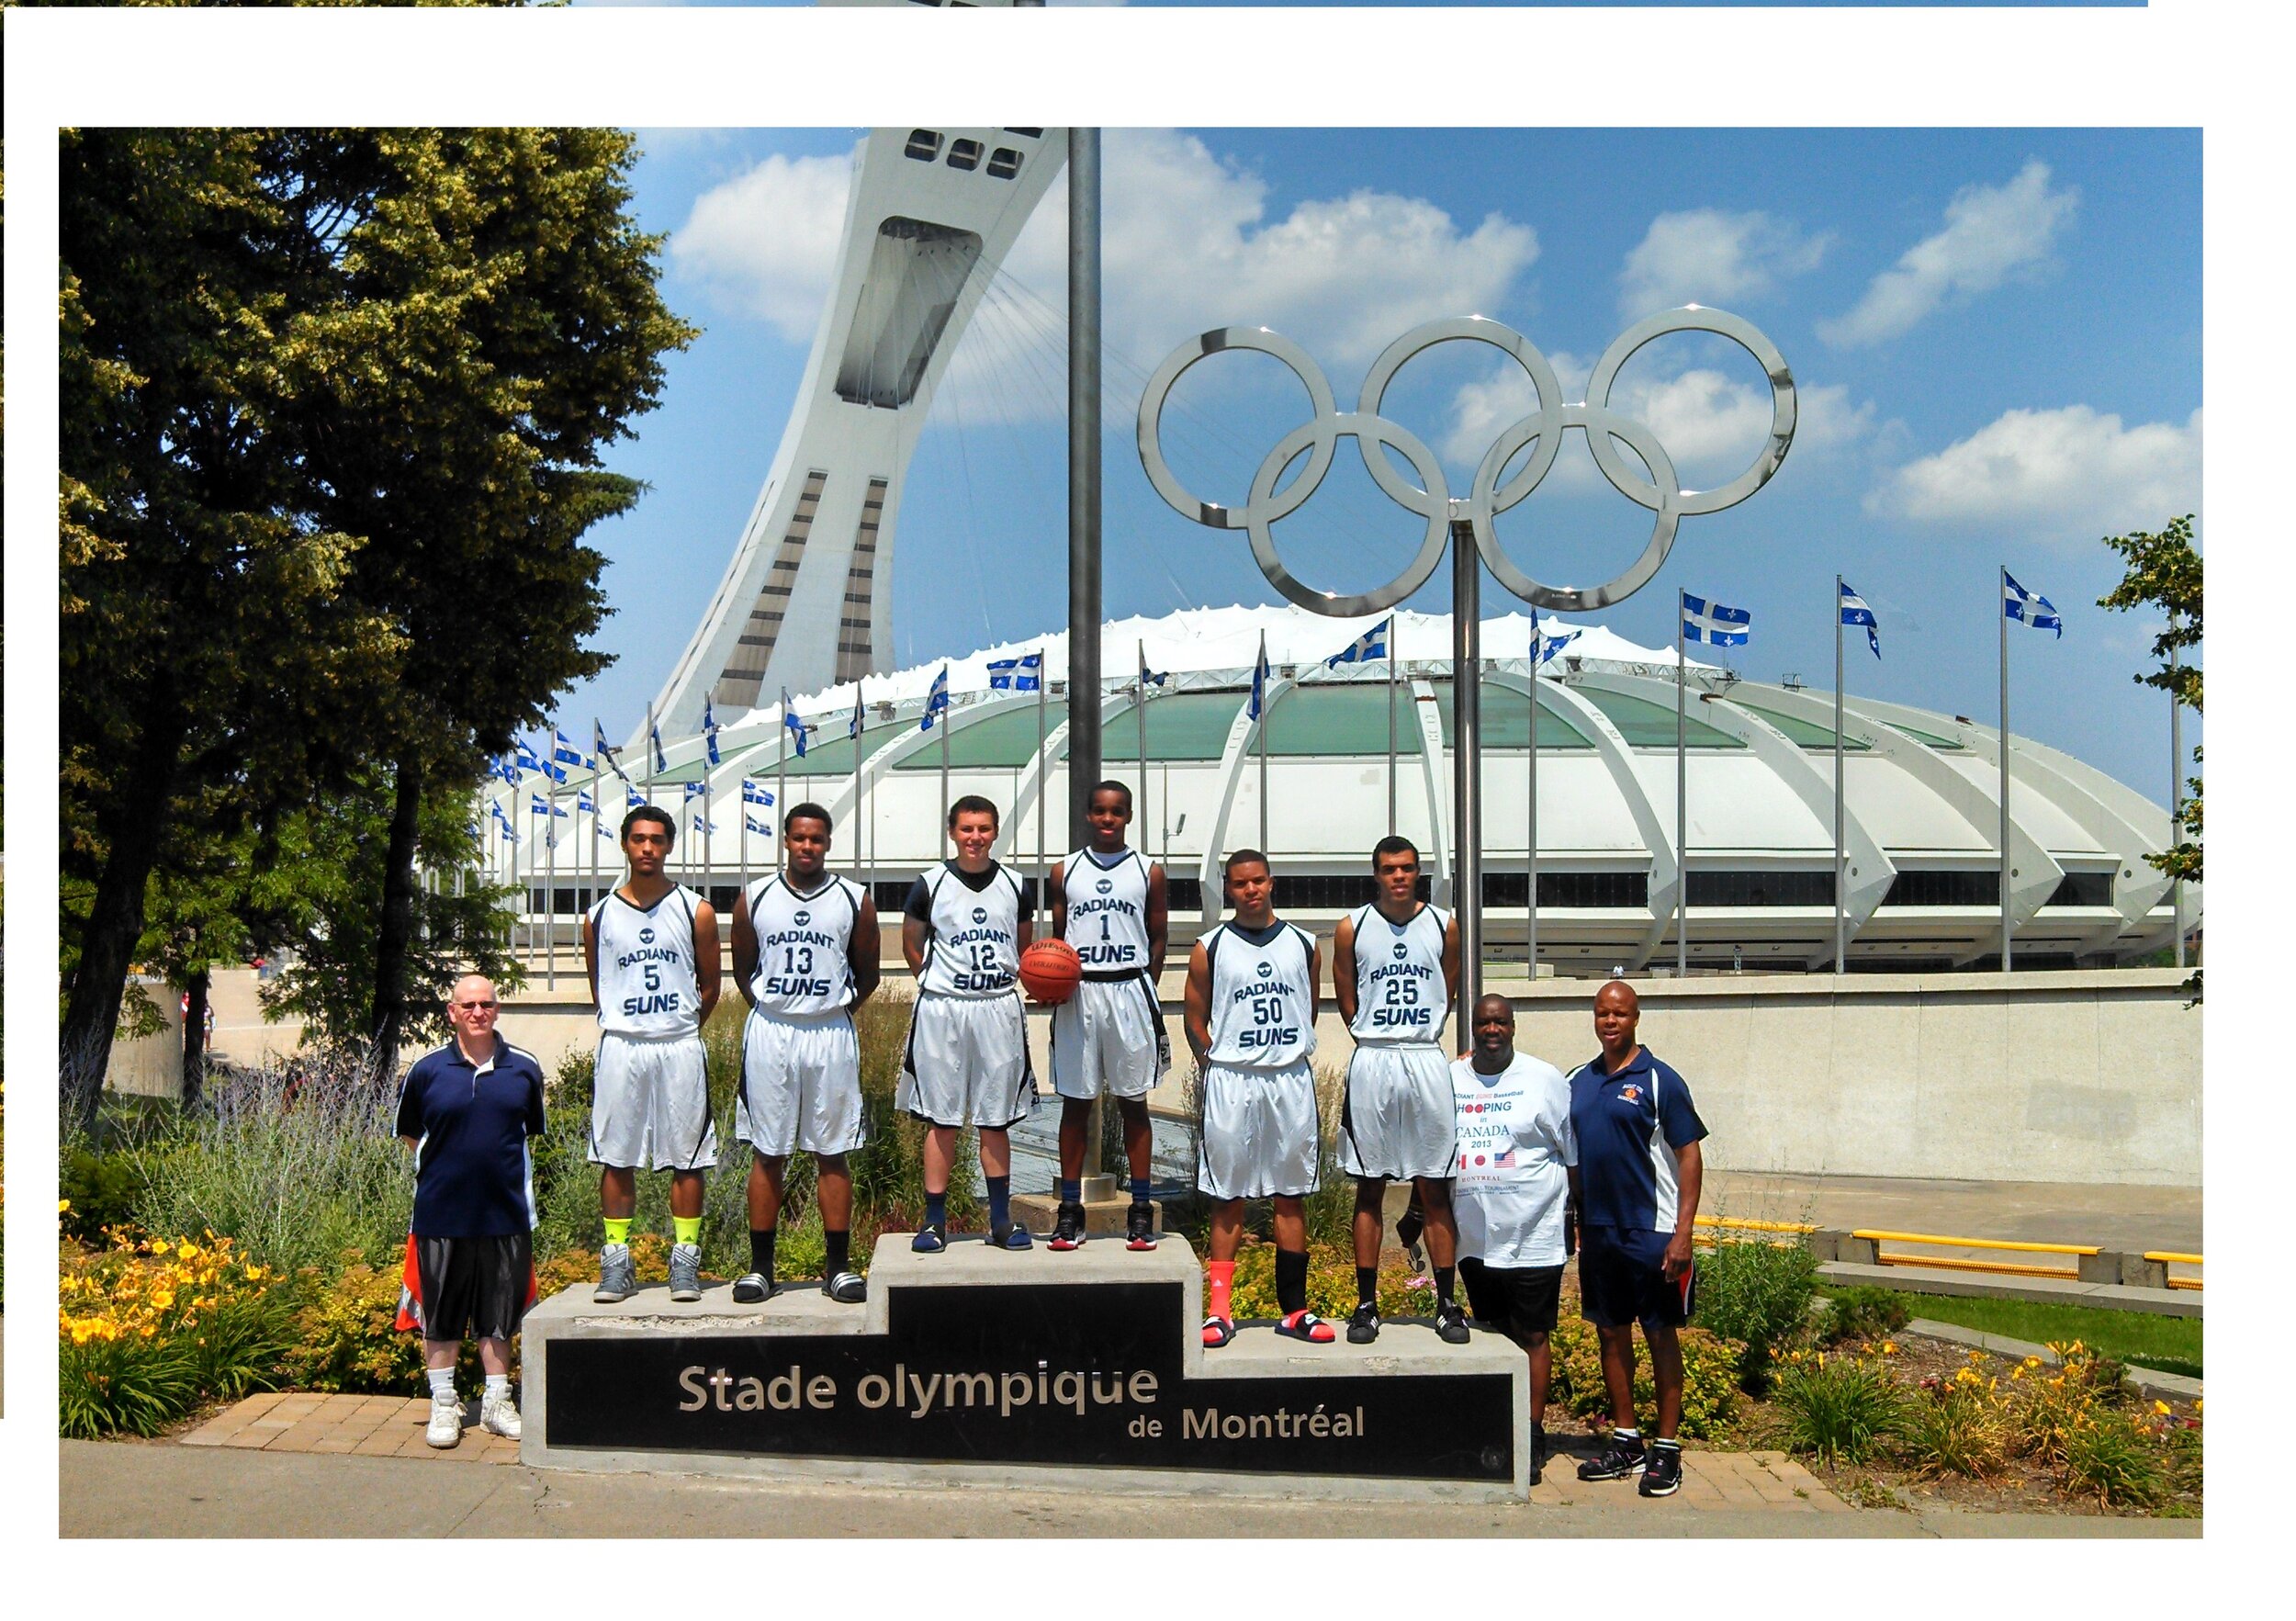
805,604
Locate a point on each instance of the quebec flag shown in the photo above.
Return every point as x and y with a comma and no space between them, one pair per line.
1709,622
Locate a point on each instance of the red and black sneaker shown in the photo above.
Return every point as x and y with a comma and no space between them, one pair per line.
1304,1325
1140,1227
1068,1232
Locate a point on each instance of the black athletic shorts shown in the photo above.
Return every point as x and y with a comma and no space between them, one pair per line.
1516,1301
1622,1280
473,1287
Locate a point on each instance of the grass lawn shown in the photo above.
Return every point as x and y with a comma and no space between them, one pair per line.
2171,1345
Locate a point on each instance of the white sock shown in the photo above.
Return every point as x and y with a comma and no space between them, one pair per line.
443,1384
497,1387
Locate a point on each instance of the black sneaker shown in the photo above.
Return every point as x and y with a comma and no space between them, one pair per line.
1623,1458
1140,1227
1363,1324
1068,1232
1539,1451
1663,1475
1451,1322
1407,1227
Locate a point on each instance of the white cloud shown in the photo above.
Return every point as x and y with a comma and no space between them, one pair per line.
1992,232
765,242
1705,256
2072,473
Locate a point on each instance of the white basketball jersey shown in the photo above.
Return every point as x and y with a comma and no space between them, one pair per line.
805,945
1262,997
976,945
1400,993
1107,910
647,978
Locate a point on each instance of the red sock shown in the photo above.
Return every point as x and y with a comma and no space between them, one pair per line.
1220,1277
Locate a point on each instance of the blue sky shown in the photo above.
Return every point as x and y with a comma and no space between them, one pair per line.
1996,334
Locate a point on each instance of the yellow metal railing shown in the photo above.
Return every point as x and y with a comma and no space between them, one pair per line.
1879,1236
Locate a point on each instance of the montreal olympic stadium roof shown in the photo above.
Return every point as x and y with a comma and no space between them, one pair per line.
1923,886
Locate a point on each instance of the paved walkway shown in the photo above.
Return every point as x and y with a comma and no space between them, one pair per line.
2109,1215
354,1466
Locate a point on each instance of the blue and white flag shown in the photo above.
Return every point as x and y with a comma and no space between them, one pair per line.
1024,674
1543,648
527,760
1259,684
702,827
755,793
853,727
1370,644
936,700
695,789
604,749
754,826
661,761
1711,623
709,729
543,807
598,829
636,799
583,802
1151,678
1855,612
506,768
562,750
2029,607
494,808
797,725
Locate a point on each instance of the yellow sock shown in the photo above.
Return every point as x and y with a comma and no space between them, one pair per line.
618,1228
689,1229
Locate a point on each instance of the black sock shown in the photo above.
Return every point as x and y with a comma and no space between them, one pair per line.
1367,1284
837,1250
1444,1276
761,1252
1291,1280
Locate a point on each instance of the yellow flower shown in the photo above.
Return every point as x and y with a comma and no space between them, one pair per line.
1889,1347
2032,1362
63,1206
2196,1404
187,1250
2161,1408
163,1298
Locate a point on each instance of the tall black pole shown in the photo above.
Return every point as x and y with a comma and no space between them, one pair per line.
1084,479
1467,766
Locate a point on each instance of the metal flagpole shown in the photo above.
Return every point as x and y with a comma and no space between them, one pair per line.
1139,712
2175,791
550,883
1841,865
1394,634
1681,800
781,782
1530,833
1043,679
1264,682
1083,479
947,716
2001,609
1467,764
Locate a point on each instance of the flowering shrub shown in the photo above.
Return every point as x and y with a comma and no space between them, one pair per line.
1841,1407
149,1327
1710,1366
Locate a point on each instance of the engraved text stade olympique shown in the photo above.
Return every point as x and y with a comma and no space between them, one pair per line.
918,1394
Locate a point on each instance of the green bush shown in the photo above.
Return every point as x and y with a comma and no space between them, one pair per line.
132,1384
1862,1313
1710,1376
1758,1294
1843,1409
1953,1429
2116,1460
99,1191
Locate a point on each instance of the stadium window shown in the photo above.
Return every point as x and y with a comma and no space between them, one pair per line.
1931,887
2082,889
1760,889
964,154
1004,163
1031,134
1183,895
924,145
1581,891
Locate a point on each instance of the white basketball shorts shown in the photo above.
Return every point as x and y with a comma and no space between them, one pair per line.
651,1104
1261,1136
967,1063
800,1085
1399,1119
1110,1036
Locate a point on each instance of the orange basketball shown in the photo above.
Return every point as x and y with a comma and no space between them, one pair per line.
1049,972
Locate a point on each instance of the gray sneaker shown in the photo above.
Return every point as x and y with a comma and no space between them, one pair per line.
685,1272
617,1275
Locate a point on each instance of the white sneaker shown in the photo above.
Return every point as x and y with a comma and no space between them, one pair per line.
446,1426
498,1415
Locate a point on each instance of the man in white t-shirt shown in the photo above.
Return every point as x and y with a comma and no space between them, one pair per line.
1512,1188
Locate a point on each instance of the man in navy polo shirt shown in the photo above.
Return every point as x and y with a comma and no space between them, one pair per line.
469,1110
1636,1189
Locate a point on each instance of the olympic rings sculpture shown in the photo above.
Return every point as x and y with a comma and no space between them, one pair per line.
1662,494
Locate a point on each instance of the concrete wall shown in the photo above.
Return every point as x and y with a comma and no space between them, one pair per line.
2082,1076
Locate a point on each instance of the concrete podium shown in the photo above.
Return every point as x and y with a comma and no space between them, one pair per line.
1031,1368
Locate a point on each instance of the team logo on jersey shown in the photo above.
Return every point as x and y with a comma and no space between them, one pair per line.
803,919
1267,971
1401,950
1629,1094
980,914
1105,886
646,935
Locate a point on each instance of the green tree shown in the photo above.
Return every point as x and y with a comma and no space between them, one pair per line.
2163,572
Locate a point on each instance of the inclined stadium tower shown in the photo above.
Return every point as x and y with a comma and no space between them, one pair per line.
805,604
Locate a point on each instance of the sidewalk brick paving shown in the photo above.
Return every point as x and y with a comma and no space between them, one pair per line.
368,1426
391,1426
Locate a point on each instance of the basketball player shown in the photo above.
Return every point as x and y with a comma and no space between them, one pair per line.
1395,968
805,956
1251,1023
1108,903
967,1064
651,948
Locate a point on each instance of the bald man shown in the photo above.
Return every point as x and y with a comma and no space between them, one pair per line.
1636,1193
469,1111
